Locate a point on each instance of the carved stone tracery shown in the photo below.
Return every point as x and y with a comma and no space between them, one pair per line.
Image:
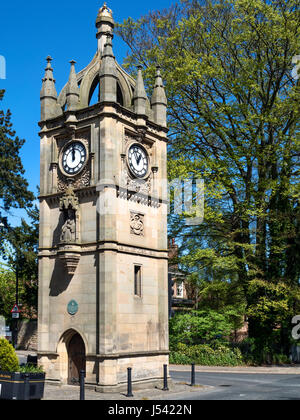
80,181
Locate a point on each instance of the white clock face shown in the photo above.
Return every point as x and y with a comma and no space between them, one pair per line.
138,161
74,158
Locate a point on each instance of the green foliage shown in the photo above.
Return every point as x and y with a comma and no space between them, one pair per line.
234,122
219,293
7,291
197,327
13,186
29,368
273,301
18,246
8,358
205,355
20,252
261,353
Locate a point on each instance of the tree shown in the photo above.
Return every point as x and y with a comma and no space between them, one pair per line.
234,121
7,291
14,191
200,327
21,254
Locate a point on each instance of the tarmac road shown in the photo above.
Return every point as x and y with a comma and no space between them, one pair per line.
242,386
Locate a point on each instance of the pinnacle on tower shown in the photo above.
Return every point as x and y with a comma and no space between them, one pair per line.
159,100
105,25
49,106
108,73
48,88
72,89
140,95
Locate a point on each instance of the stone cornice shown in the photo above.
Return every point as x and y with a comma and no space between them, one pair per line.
114,246
124,355
150,200
100,110
82,192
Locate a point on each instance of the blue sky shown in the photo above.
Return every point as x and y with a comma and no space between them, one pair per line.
64,29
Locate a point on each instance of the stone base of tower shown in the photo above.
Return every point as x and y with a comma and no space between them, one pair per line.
109,374
147,372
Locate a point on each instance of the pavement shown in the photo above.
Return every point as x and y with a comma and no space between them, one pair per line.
212,383
280,370
177,391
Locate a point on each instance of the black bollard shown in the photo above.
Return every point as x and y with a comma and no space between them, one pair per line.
129,383
82,385
26,387
193,381
165,388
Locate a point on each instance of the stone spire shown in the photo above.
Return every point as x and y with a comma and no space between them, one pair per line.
49,105
72,89
105,25
108,73
159,101
140,95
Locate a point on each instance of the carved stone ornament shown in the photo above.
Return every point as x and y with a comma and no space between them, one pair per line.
70,258
136,185
69,252
81,181
68,233
137,224
69,205
69,200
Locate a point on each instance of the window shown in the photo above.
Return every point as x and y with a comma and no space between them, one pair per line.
138,280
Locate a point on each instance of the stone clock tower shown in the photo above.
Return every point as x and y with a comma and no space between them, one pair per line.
103,289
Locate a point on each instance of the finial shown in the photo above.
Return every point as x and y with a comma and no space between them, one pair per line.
48,67
105,11
48,70
159,81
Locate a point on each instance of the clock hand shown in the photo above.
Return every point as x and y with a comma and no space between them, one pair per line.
136,156
73,154
139,159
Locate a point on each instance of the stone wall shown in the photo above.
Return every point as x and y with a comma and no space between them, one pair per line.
27,336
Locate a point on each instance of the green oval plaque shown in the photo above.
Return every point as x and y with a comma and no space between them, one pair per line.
73,307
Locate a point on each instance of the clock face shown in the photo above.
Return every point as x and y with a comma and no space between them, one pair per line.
74,158
138,161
